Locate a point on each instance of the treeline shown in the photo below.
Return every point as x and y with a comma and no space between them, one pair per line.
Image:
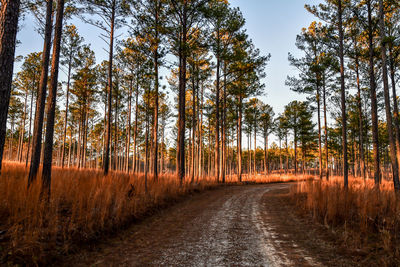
350,69
114,114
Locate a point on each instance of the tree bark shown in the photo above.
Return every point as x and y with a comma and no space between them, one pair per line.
134,168
224,157
239,141
255,147
8,31
217,126
395,105
194,122
51,104
392,143
41,98
106,166
128,129
182,95
374,105
361,130
318,96
22,132
326,129
30,129
343,96
66,112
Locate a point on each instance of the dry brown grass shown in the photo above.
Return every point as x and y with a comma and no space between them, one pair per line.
273,178
366,219
84,205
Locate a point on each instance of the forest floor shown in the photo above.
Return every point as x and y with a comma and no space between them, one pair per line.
254,225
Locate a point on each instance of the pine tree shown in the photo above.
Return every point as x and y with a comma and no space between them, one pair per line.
41,98
71,46
52,99
8,31
112,13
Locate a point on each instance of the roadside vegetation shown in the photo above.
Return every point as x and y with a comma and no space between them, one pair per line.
85,206
366,219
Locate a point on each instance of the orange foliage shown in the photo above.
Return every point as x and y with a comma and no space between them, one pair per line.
368,218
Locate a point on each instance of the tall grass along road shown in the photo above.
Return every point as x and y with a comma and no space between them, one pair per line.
223,227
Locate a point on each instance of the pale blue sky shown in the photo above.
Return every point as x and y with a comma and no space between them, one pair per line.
272,24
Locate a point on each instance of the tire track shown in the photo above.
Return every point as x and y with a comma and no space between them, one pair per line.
225,227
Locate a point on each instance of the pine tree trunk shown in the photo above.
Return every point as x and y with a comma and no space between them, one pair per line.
69,149
156,100
249,153
395,105
182,96
374,105
255,148
30,130
287,154
239,141
326,129
361,130
66,113
319,129
200,130
116,133
295,152
343,96
128,129
22,133
51,104
106,166
146,160
217,122
41,98
193,124
392,143
8,31
224,158
280,157
134,168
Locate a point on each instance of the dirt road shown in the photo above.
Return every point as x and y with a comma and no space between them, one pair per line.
231,226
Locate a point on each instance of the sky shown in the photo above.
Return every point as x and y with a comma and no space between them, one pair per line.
271,24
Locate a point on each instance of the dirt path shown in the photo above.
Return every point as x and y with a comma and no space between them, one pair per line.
232,226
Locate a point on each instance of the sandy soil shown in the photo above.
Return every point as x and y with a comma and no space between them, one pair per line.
232,226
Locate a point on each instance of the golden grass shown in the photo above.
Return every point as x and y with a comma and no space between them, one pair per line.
367,219
84,205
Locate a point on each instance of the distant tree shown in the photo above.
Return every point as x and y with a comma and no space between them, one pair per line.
151,18
84,93
112,14
334,12
267,126
9,15
27,82
298,118
389,120
184,15
71,46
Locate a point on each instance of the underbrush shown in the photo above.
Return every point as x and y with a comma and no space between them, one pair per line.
84,205
366,219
